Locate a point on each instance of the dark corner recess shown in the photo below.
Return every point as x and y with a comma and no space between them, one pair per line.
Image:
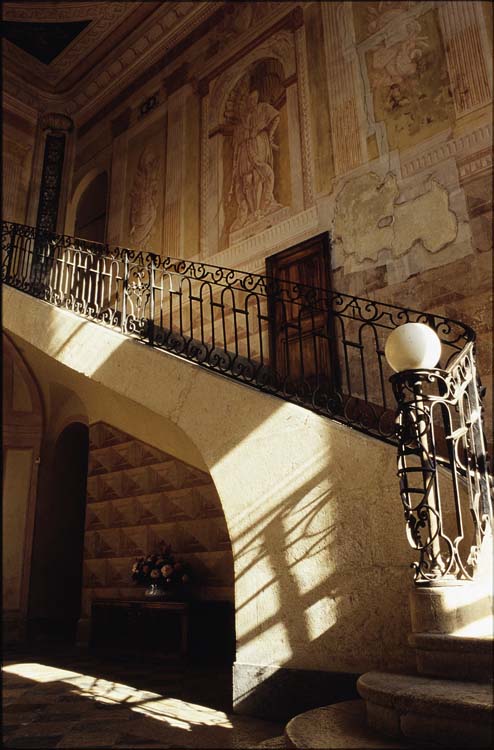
44,41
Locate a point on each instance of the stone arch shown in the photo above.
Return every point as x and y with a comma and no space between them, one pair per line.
280,47
90,176
23,425
137,497
65,537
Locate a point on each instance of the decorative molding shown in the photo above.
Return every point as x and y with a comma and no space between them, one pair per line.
133,58
275,238
105,19
304,108
56,121
263,29
473,166
148,45
428,156
43,12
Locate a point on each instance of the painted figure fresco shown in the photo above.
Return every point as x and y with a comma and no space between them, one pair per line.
409,79
393,65
143,197
253,174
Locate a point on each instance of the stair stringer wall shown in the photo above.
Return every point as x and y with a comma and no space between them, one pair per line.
312,507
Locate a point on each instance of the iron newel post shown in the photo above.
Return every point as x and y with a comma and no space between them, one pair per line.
437,426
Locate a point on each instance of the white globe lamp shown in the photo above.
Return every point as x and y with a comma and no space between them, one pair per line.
412,346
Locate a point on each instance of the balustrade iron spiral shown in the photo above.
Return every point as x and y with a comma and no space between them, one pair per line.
320,349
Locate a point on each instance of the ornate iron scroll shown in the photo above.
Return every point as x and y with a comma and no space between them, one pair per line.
51,181
445,485
220,318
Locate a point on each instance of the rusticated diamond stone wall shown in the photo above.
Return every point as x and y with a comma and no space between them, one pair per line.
136,496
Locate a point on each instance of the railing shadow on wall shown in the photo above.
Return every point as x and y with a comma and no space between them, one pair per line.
320,349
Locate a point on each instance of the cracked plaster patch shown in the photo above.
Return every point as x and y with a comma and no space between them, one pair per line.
368,218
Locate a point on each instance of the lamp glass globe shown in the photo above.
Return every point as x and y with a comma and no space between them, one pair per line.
412,346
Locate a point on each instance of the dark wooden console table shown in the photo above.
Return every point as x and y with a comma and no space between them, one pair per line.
137,625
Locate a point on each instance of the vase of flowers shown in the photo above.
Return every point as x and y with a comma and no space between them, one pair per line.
163,576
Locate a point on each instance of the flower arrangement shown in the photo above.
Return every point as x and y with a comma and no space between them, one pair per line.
161,572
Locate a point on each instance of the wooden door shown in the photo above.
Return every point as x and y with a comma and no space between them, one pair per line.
301,329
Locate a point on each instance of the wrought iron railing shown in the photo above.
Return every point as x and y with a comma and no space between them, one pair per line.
443,468
318,348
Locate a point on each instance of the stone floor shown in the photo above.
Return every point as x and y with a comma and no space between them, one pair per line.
54,698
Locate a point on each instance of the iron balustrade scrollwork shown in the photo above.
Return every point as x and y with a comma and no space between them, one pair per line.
320,349
323,350
445,483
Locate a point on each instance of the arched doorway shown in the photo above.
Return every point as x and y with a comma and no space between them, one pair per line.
90,218
23,426
139,500
56,578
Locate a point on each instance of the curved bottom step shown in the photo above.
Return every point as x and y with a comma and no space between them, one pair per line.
341,725
274,743
454,657
447,713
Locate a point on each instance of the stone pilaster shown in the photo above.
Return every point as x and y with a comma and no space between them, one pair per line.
348,149
175,173
204,174
304,109
462,33
12,175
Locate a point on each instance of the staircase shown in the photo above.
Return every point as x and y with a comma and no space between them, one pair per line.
322,350
448,702
223,320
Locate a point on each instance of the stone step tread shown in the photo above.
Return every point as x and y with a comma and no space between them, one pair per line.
274,743
431,695
444,642
340,725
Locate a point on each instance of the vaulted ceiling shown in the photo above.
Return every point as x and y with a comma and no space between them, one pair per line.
71,54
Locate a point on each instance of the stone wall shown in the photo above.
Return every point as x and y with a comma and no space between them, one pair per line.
138,496
18,145
376,126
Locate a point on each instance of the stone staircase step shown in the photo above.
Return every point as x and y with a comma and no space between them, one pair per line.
274,743
340,725
429,709
454,657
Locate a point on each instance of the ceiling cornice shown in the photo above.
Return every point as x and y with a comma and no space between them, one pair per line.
104,19
140,46
167,28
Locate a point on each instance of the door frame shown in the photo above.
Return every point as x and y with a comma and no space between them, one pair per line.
325,241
